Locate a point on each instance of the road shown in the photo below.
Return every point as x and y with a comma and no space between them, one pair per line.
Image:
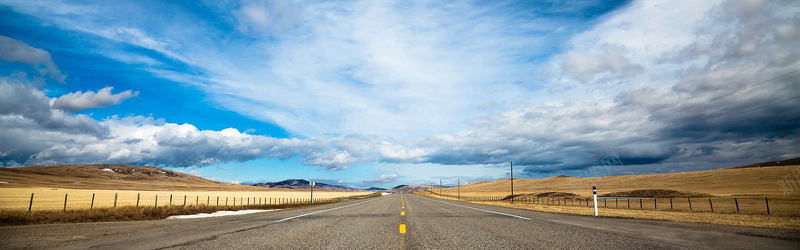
376,224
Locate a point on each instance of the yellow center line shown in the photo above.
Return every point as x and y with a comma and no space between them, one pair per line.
402,226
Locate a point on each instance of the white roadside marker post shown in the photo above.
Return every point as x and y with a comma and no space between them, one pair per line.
594,192
312,192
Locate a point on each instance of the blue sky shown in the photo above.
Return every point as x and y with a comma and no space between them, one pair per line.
382,93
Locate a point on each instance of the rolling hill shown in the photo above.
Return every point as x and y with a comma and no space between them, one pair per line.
747,181
109,176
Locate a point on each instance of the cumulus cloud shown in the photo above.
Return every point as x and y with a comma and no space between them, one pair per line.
702,98
12,50
77,101
35,134
23,106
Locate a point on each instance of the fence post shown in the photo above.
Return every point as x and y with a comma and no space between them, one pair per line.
711,205
92,204
30,206
65,202
690,203
217,201
629,203
640,204
197,200
767,201
655,203
670,203
226,201
737,204
156,200
616,200
115,199
208,200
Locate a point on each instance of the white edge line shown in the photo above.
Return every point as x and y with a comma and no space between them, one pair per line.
326,210
484,210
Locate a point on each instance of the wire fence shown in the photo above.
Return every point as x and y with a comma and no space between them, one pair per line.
743,205
83,201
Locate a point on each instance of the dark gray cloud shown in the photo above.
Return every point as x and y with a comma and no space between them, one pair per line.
25,106
12,50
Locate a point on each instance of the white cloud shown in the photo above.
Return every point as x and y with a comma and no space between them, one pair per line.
77,101
445,84
274,18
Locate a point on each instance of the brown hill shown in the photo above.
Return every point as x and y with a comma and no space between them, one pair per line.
109,176
740,182
787,162
655,193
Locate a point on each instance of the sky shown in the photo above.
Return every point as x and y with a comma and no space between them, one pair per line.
383,93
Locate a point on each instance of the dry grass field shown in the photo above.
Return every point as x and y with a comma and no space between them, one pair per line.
753,220
50,184
105,176
732,182
725,188
53,199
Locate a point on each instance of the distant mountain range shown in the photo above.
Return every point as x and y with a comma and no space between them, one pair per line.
411,189
304,184
375,189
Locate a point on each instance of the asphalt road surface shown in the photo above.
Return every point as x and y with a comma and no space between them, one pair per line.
397,222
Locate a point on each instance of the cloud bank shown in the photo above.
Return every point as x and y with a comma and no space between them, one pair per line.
706,84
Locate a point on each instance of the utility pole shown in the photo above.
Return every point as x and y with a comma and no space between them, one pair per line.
512,181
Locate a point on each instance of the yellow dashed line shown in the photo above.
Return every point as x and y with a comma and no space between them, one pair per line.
402,228
402,213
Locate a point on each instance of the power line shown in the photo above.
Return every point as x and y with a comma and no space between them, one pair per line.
711,100
735,114
729,94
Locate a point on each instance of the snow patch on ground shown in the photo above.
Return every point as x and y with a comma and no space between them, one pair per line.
3,182
219,213
108,170
385,194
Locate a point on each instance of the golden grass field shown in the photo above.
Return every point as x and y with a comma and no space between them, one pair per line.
53,199
748,186
731,182
110,176
753,220
50,184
